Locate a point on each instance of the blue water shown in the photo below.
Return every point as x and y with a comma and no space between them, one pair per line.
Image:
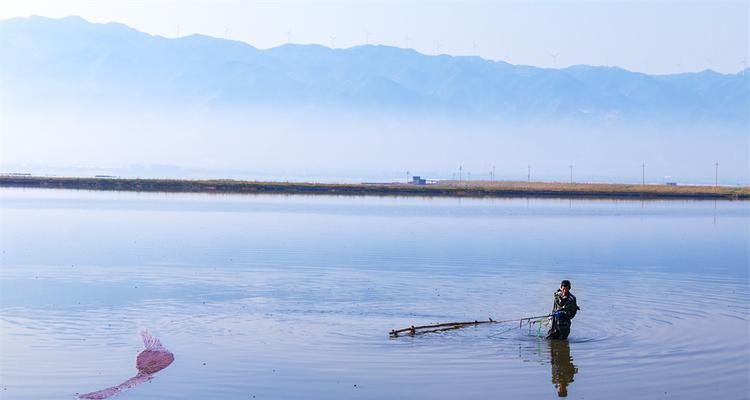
286,297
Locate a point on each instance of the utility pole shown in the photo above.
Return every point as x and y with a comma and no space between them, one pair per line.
460,172
716,179
493,173
571,173
643,177
407,176
528,171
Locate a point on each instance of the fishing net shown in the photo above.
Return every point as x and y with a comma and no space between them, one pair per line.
151,360
532,322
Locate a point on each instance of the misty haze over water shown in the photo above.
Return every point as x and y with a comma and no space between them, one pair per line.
88,99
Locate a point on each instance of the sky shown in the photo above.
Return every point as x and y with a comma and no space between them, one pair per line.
656,37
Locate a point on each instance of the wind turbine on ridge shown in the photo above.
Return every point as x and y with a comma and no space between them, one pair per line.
554,59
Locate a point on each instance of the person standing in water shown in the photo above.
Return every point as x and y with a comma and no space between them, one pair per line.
563,311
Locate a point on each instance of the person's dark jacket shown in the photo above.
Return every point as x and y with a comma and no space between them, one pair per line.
567,307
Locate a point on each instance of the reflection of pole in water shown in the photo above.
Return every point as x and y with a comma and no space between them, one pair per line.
715,212
563,369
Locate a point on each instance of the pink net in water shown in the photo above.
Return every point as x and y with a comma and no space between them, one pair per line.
148,362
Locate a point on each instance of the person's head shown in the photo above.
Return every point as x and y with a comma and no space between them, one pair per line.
565,286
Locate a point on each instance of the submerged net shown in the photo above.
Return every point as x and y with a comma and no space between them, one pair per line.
447,326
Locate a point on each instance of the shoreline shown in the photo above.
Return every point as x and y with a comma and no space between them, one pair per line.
476,189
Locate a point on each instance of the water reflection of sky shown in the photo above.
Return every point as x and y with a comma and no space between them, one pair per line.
292,297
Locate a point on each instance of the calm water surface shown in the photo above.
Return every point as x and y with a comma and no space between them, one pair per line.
275,297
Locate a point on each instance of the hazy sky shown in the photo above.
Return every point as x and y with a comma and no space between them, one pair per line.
653,37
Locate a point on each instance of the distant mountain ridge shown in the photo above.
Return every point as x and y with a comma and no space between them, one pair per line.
70,59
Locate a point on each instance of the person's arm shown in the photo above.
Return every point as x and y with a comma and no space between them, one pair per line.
555,302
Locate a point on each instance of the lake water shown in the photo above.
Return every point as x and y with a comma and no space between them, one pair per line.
292,297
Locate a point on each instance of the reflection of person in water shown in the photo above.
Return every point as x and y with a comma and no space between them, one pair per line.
563,369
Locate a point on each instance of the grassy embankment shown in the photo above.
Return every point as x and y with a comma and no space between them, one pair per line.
443,189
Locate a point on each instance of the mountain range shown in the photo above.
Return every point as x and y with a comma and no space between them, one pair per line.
71,60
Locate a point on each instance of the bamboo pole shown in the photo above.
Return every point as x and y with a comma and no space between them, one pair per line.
446,326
